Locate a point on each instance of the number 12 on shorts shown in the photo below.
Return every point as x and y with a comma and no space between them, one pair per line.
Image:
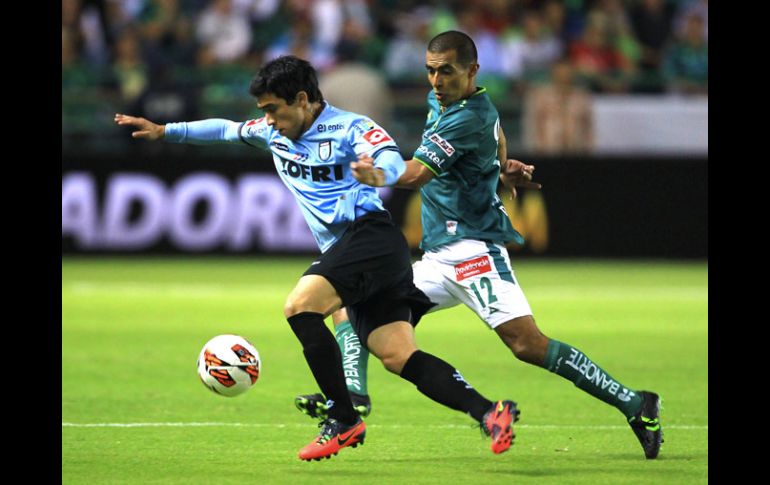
484,283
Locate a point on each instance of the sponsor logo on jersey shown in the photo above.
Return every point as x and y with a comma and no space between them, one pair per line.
451,227
281,146
376,136
472,267
255,127
325,150
336,126
316,173
430,155
288,153
445,146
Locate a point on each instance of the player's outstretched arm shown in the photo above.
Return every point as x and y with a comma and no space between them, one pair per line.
146,129
203,132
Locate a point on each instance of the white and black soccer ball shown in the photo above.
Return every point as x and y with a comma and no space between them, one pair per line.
229,365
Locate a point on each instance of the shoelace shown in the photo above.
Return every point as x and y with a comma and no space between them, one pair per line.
325,435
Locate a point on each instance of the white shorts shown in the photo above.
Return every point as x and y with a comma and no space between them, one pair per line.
476,274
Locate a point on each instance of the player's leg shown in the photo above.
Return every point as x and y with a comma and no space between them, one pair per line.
306,306
528,344
355,359
516,327
354,270
641,408
480,275
394,345
355,356
495,295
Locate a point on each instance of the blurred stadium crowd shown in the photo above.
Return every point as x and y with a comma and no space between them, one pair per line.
171,60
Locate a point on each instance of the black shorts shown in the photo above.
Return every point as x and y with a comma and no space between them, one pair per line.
371,269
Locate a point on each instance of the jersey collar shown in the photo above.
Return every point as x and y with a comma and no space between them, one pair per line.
479,90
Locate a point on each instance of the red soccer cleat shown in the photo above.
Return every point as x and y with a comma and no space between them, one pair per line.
498,424
333,437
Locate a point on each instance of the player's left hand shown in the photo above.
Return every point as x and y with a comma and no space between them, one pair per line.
365,172
518,174
146,129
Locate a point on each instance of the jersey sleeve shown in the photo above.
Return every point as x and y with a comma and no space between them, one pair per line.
204,132
255,132
451,138
366,136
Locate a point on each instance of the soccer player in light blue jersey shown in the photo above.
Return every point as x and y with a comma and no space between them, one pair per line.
457,167
365,263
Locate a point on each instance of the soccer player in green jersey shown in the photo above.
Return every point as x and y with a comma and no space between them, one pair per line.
465,228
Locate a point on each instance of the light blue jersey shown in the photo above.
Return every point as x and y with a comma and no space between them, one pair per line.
316,167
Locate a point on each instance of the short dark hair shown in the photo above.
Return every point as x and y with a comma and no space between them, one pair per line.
284,77
458,41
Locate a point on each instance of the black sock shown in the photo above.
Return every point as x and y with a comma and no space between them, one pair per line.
443,383
325,361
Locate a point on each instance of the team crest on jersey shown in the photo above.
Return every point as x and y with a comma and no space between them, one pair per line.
325,150
445,146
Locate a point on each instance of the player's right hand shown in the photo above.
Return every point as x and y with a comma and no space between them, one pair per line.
146,128
517,174
365,172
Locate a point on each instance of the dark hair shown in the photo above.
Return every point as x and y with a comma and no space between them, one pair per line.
284,77
458,41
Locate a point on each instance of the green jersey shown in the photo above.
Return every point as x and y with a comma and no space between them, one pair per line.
459,146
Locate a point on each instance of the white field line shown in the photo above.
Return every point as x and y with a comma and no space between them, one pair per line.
140,289
297,425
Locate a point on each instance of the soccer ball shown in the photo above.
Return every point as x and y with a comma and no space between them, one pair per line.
229,365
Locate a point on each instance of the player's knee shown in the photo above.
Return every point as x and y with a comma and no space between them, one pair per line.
295,303
289,308
394,362
520,348
525,340
530,348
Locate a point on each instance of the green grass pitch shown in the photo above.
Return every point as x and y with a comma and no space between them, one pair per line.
134,411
